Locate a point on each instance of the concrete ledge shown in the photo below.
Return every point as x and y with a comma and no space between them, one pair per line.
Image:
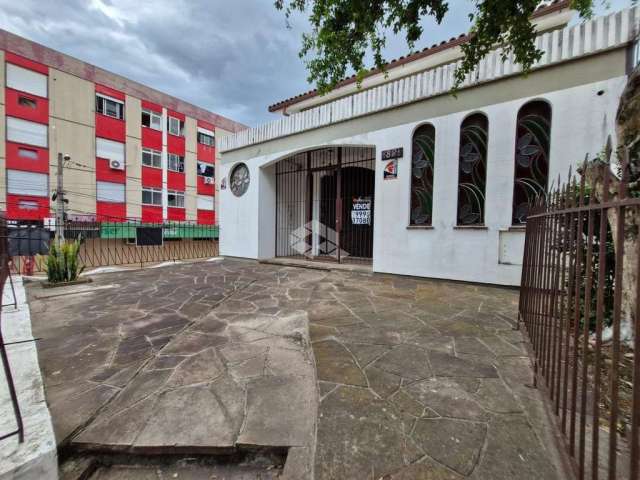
36,458
317,265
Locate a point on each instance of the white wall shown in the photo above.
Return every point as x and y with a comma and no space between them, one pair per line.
581,120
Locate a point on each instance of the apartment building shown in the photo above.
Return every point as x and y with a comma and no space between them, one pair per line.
134,153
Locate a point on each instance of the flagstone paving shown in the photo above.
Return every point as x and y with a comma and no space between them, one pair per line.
362,376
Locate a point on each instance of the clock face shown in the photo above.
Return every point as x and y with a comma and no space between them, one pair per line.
239,180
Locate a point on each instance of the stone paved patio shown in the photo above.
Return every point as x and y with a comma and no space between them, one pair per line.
416,379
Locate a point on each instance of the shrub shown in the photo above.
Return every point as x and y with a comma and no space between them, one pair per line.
62,262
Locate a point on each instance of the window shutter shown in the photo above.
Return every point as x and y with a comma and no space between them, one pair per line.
110,192
22,131
205,203
27,81
110,150
27,183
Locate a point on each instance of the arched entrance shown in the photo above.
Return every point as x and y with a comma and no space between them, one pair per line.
324,204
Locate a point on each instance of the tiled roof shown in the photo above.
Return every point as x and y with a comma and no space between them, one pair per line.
544,9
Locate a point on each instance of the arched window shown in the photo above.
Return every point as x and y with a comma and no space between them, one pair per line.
531,158
422,154
472,170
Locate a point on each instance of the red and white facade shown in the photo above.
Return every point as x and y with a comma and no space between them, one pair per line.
135,153
27,139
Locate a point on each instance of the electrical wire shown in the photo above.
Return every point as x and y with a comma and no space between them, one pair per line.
116,217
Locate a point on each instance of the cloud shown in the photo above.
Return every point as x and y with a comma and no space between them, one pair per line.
231,57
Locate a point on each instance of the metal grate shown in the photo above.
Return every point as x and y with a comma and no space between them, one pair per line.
325,205
579,298
117,243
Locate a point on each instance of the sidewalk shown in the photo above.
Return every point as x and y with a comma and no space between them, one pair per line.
36,458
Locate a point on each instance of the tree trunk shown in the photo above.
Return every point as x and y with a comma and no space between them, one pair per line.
627,133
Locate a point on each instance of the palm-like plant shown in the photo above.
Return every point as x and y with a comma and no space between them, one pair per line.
62,262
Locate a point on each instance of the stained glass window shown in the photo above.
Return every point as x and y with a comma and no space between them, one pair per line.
531,158
472,170
422,151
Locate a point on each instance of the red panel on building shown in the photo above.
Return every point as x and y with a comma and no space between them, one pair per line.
175,144
105,173
176,214
151,177
206,153
178,115
204,188
26,63
206,217
27,158
27,207
176,181
110,128
151,138
151,214
154,107
27,106
207,125
111,212
110,92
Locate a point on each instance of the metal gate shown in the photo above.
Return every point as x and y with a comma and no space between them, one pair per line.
324,204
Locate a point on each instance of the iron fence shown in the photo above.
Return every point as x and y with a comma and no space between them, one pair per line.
325,205
4,274
579,305
119,242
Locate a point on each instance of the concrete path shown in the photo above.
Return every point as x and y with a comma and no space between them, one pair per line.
424,379
201,358
416,379
35,458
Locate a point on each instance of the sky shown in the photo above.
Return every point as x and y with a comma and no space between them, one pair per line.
232,57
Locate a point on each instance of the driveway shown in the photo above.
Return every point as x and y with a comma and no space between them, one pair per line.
413,378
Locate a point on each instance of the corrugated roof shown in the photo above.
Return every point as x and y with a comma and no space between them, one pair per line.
435,48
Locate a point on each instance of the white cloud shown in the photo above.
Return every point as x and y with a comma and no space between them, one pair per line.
231,57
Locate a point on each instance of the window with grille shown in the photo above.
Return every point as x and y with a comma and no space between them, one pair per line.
533,133
472,170
422,163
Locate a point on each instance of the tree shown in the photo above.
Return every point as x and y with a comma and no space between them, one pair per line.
343,31
628,146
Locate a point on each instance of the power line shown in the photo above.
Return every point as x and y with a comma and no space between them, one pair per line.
17,203
94,198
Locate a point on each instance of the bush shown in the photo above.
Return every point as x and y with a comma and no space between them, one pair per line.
62,262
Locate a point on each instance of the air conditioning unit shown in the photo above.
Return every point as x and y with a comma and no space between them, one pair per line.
116,165
209,180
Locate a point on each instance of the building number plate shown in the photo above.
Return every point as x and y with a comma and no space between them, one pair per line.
392,153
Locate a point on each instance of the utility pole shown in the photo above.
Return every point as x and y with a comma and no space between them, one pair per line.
60,201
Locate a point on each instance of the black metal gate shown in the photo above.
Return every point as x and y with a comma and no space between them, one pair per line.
324,204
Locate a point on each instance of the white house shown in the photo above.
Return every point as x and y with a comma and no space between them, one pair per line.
405,176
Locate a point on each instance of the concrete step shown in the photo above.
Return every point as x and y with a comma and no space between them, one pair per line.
264,464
